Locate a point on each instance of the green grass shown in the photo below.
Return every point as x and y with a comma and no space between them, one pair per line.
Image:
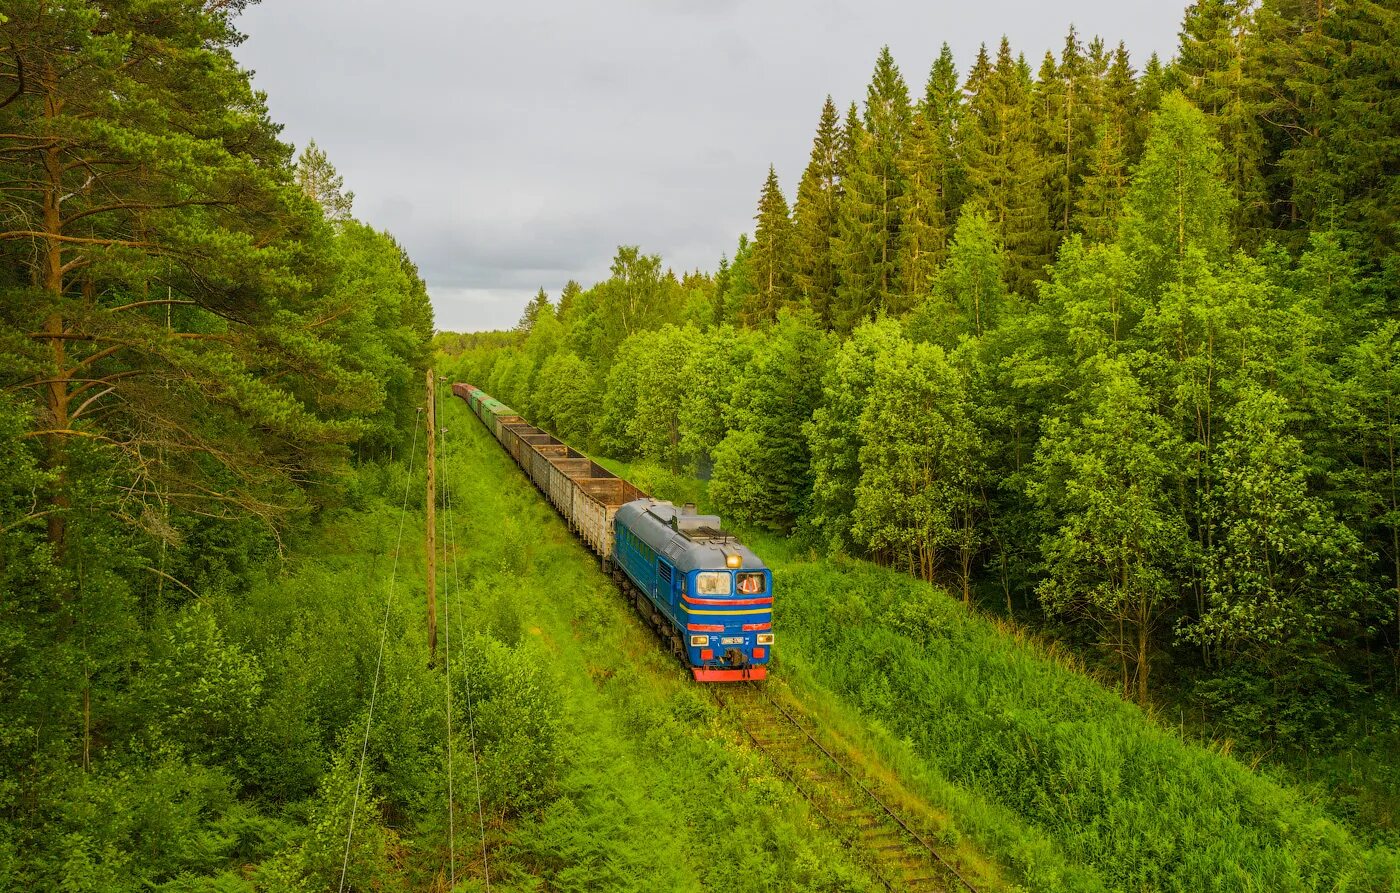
1009,744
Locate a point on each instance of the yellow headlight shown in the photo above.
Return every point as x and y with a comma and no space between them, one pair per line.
733,561
764,638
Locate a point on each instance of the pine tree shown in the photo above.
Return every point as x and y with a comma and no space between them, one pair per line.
317,178
162,243
772,254
815,218
1004,170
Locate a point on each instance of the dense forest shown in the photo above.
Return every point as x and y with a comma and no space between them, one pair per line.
203,355
1107,349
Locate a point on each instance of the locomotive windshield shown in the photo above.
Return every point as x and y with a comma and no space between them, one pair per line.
712,583
752,584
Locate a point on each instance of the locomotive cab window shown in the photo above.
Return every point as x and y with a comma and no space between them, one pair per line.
712,583
752,584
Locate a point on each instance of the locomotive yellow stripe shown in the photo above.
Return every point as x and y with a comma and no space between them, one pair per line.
730,613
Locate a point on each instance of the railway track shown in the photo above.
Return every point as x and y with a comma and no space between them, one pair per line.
898,854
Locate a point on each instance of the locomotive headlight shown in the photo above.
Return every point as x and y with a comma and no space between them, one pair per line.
733,561
697,641
764,638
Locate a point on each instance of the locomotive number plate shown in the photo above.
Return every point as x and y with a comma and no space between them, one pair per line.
732,640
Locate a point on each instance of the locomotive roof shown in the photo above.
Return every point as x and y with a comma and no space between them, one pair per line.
688,540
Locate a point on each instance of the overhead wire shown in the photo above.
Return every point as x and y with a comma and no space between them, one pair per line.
447,659
451,533
379,660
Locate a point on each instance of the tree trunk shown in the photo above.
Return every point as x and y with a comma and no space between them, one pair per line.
56,395
1142,658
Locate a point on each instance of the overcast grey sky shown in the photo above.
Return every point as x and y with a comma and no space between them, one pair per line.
514,145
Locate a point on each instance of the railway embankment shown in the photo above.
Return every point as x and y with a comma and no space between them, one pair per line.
1005,744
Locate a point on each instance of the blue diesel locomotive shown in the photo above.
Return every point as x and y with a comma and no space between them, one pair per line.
705,592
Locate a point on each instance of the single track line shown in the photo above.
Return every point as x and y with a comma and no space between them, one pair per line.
901,857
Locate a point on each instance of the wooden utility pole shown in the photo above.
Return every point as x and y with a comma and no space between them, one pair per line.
431,549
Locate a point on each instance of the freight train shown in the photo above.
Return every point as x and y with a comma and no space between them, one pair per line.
707,595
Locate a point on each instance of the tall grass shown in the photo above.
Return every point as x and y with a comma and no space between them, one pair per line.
1119,795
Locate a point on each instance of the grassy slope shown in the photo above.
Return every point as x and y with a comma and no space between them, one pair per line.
653,793
1054,775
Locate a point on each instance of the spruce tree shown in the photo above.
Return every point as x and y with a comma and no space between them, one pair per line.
944,107
1101,196
869,216
1153,85
849,253
1344,170
1004,170
923,233
537,307
568,295
1068,106
815,218
1120,98
978,78
1211,69
772,254
1286,59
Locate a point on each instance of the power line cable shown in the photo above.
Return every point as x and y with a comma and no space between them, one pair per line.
471,719
379,660
447,660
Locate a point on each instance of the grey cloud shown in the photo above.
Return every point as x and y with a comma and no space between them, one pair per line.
515,145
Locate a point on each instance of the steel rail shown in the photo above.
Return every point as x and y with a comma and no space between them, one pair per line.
791,777
865,789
